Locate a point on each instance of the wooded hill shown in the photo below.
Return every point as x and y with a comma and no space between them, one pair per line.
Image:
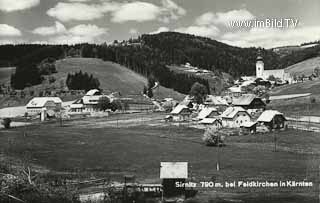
148,55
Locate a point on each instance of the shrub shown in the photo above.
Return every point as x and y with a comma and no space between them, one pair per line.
211,137
6,123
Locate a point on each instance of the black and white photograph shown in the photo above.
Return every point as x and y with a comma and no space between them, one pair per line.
159,101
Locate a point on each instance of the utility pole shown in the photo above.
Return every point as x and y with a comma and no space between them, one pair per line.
274,134
218,155
60,118
275,141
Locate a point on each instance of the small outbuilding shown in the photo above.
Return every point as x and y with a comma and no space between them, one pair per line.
272,119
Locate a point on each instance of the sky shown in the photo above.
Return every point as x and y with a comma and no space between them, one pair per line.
99,21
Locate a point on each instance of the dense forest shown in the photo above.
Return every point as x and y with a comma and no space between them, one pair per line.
82,81
149,55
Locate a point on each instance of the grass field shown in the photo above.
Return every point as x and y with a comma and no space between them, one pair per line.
298,106
93,148
113,77
305,67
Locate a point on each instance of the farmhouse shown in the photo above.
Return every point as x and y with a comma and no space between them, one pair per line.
89,102
272,119
181,113
38,104
249,101
234,117
208,112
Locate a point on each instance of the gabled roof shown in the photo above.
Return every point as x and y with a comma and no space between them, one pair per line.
93,92
231,112
244,100
178,109
38,102
268,115
206,112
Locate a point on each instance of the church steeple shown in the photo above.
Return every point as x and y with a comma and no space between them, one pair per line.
259,55
259,65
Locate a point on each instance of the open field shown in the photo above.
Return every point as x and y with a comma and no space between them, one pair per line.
305,67
298,88
301,106
113,77
98,148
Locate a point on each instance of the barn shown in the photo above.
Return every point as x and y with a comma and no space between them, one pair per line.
272,119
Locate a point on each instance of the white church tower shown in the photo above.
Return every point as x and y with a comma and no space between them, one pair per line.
259,66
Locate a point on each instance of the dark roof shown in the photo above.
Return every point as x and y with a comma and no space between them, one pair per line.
245,100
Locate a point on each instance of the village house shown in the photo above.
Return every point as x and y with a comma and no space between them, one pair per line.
89,102
181,113
234,117
39,104
272,119
249,101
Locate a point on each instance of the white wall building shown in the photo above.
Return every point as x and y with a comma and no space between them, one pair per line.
89,102
234,117
38,104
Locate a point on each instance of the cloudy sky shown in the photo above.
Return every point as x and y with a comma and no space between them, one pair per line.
98,21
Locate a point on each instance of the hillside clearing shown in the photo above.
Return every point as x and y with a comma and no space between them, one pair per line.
113,77
305,67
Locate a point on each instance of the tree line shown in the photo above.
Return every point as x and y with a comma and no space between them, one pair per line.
152,56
